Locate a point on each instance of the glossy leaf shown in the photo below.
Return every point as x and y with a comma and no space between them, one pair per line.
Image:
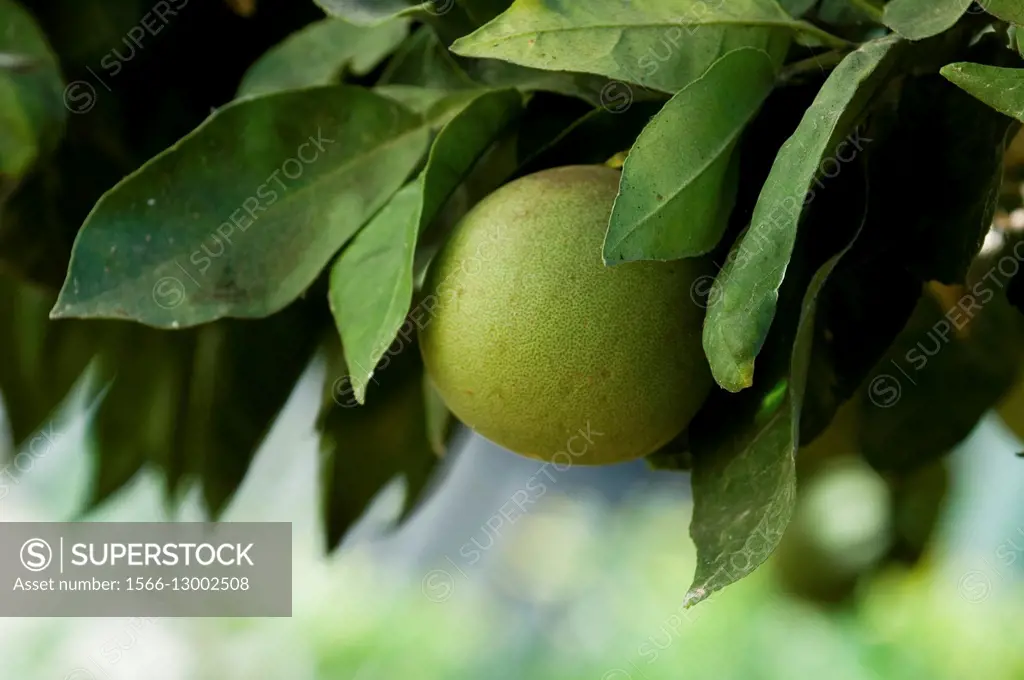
238,218
920,19
1000,88
678,181
372,282
627,41
747,287
320,53
32,111
365,447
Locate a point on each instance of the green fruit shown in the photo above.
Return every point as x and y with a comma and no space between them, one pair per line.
539,347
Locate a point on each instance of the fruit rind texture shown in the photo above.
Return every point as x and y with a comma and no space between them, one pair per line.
536,345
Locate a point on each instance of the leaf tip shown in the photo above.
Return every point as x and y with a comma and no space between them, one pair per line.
695,595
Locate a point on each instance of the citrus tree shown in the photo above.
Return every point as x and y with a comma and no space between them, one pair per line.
772,208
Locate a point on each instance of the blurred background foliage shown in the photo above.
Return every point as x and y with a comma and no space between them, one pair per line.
585,584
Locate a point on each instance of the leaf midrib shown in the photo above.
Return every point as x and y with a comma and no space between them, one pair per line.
763,23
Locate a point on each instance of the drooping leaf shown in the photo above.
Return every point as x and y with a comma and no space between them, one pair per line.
743,306
676,191
320,53
1007,10
372,282
32,108
862,309
143,375
920,19
40,360
627,41
958,355
1000,88
744,445
365,447
231,404
942,214
238,218
744,482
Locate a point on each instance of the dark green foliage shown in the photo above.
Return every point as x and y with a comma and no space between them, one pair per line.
841,164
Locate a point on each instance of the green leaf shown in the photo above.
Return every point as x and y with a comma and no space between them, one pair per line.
424,61
1007,10
744,479
943,214
676,191
798,8
627,41
1000,88
744,444
144,374
239,217
40,359
32,111
366,12
365,447
920,19
419,99
959,354
320,53
230,406
372,282
747,288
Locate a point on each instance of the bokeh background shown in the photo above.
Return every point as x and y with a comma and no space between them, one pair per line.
585,583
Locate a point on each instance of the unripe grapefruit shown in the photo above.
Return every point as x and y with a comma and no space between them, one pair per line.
539,347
